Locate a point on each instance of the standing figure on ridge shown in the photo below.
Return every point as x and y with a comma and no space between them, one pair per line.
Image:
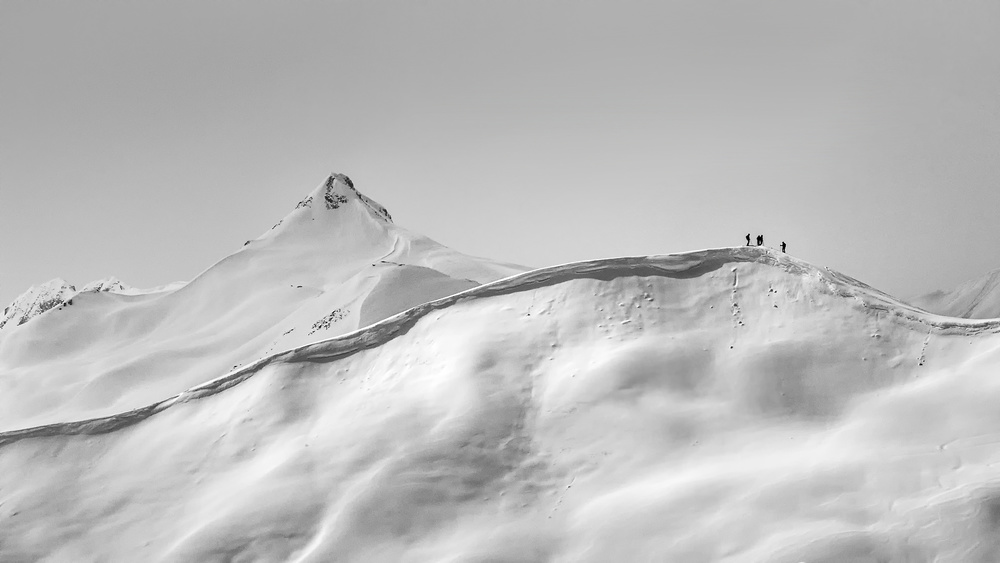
782,246
760,240
748,239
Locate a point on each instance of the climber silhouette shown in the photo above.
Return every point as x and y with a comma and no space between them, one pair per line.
782,246
760,240
748,239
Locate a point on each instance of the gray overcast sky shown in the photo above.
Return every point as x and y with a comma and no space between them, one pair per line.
149,139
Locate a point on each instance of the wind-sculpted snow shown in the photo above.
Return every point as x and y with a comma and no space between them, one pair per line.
723,405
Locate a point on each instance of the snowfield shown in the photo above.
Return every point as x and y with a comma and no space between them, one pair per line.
732,405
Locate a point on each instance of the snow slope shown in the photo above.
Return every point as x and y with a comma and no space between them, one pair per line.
733,405
308,278
974,299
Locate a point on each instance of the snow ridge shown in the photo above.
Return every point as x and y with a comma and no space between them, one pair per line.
681,266
109,285
38,299
58,293
379,210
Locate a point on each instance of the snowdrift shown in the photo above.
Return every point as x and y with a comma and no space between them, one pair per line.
723,405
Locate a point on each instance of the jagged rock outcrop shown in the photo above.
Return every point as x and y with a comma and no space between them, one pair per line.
334,196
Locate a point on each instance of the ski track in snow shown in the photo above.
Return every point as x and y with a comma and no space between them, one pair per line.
681,266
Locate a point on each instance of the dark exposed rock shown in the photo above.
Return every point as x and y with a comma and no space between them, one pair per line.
325,322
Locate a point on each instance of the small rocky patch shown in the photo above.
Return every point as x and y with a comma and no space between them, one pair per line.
325,322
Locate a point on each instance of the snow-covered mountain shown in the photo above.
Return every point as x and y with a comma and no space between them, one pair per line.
37,300
731,405
58,293
974,299
335,263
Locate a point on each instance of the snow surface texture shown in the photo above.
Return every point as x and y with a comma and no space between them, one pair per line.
332,265
722,405
974,299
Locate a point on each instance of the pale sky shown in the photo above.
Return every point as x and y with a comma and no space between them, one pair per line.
148,140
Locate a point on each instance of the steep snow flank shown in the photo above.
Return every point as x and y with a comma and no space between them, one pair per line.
306,279
732,405
395,290
974,299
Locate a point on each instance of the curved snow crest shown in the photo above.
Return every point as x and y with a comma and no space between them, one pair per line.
678,266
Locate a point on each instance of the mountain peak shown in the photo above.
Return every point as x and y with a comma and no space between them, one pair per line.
333,206
338,190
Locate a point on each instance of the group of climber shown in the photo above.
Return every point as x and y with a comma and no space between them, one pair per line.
760,241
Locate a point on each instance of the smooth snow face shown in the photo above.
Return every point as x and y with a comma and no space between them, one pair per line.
733,405
975,299
309,278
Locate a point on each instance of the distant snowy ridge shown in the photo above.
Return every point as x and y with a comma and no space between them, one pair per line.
109,285
682,266
38,299
58,293
975,299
